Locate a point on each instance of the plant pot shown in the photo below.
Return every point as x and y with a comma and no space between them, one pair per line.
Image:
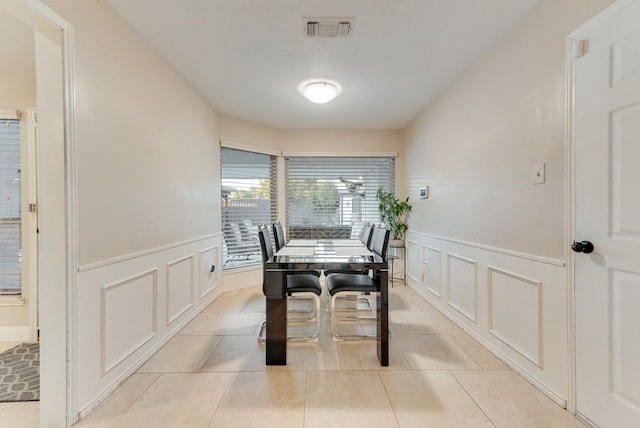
396,243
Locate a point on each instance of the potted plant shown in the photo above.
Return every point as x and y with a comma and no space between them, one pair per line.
393,213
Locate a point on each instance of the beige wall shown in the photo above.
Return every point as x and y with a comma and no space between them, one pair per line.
477,143
334,142
309,141
17,92
147,142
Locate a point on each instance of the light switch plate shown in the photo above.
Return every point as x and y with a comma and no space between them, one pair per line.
538,173
424,192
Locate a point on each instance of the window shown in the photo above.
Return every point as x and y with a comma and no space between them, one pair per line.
333,197
10,212
249,199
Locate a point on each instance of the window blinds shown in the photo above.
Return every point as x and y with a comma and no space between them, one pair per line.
249,198
333,197
10,212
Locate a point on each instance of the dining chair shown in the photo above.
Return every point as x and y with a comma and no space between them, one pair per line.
365,238
278,235
280,241
297,284
338,283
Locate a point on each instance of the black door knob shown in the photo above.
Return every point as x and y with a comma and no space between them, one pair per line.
582,247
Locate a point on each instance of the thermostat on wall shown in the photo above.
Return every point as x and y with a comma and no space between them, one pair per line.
424,192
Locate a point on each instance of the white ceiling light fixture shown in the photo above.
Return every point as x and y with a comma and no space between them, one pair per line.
320,91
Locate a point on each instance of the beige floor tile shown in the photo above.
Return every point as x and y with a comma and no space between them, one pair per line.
182,354
398,324
236,353
431,398
433,352
363,355
223,324
347,399
432,323
478,353
404,299
257,303
108,413
309,356
178,400
232,301
4,346
511,401
20,414
269,399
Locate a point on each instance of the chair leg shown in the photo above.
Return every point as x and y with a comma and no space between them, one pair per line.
352,318
294,320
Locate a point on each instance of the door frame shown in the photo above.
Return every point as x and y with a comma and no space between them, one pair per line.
575,48
31,197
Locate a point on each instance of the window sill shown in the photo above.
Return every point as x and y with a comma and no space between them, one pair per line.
12,301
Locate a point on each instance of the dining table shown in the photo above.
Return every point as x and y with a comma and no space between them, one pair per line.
319,254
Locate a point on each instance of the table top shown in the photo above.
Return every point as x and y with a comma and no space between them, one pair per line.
316,254
325,242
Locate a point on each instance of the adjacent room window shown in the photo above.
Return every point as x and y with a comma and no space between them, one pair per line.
10,212
333,197
249,199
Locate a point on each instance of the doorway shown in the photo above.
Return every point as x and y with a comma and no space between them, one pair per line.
53,49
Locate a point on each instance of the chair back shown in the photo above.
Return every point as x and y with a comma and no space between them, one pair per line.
380,242
278,235
366,234
266,247
267,251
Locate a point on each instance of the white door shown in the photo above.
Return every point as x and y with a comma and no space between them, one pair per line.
607,213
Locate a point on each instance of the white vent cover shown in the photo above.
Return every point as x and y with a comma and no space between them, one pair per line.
328,27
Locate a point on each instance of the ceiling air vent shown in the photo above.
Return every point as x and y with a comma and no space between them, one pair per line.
328,27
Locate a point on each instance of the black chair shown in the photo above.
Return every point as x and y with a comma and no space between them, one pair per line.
365,237
357,283
297,283
278,237
367,234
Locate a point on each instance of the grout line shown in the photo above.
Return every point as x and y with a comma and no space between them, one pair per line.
471,397
395,415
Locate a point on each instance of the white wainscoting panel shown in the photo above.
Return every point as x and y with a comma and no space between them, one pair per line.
413,257
130,306
432,262
128,317
624,295
462,285
515,312
209,260
514,304
179,287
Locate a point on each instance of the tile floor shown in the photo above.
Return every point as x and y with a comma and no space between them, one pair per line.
213,375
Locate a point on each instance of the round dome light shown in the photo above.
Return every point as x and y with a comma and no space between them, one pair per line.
319,91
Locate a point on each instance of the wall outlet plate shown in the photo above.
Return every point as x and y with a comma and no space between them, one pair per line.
424,192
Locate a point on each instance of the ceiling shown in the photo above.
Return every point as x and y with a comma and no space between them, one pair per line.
247,57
